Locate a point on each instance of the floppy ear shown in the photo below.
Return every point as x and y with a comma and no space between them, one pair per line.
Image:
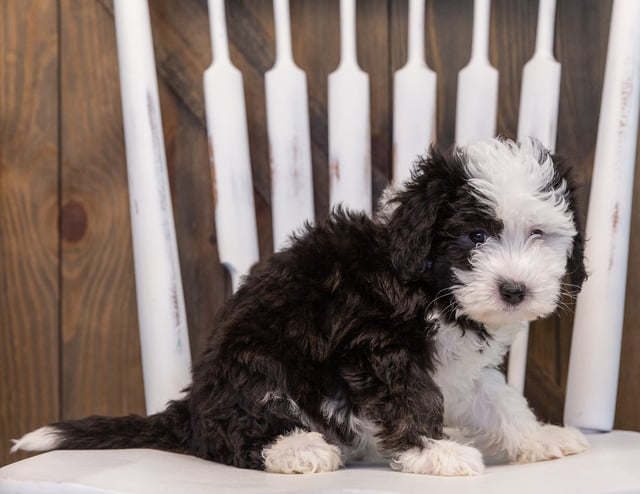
412,221
575,262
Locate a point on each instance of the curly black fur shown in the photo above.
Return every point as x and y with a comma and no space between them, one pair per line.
340,315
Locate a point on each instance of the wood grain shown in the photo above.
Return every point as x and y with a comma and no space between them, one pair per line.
628,405
29,294
513,24
101,369
373,53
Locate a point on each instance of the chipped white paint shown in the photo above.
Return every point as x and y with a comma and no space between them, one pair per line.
477,84
289,141
597,332
349,132
229,154
164,341
541,83
538,118
414,100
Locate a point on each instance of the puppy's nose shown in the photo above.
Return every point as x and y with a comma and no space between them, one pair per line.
511,292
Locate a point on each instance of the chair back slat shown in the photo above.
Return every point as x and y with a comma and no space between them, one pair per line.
229,156
539,100
166,357
477,99
414,100
289,139
597,331
349,132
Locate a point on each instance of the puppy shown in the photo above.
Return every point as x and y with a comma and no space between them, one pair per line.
376,334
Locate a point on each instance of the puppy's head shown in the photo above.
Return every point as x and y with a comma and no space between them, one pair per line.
491,230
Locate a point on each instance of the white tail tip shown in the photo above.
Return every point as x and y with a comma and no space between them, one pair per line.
42,439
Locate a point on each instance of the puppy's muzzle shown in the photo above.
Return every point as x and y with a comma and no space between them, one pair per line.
511,292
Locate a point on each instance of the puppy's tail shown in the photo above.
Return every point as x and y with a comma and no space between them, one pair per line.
168,430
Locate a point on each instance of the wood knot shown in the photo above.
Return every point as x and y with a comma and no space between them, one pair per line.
73,221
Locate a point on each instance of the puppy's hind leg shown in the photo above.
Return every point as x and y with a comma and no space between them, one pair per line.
301,451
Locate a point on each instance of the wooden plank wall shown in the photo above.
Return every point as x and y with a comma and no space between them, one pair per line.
29,246
68,326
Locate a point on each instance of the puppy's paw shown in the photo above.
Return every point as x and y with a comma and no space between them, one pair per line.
301,452
440,457
548,442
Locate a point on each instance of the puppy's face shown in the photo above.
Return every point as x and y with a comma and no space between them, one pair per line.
509,261
501,234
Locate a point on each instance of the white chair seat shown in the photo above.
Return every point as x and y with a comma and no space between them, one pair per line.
612,464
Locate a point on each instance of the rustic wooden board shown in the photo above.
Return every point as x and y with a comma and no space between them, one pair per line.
29,294
374,58
101,371
513,24
628,405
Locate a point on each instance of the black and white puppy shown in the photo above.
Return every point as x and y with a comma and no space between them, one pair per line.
376,334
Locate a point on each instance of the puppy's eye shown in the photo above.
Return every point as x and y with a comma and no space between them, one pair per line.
478,236
537,233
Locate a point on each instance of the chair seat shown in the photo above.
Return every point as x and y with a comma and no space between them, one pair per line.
612,464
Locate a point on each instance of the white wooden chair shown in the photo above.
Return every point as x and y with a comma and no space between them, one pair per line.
610,465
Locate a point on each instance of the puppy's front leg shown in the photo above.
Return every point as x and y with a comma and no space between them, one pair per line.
407,406
499,421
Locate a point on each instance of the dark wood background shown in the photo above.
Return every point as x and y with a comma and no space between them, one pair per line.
68,325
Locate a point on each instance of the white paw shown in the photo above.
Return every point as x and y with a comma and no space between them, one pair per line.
440,457
548,442
301,452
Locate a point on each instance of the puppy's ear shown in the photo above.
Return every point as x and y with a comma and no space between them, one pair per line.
412,221
575,262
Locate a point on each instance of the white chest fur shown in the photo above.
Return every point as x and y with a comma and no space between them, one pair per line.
462,355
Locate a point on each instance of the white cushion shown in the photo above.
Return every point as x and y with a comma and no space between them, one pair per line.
612,464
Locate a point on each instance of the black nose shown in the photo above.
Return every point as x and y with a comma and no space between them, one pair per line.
512,293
